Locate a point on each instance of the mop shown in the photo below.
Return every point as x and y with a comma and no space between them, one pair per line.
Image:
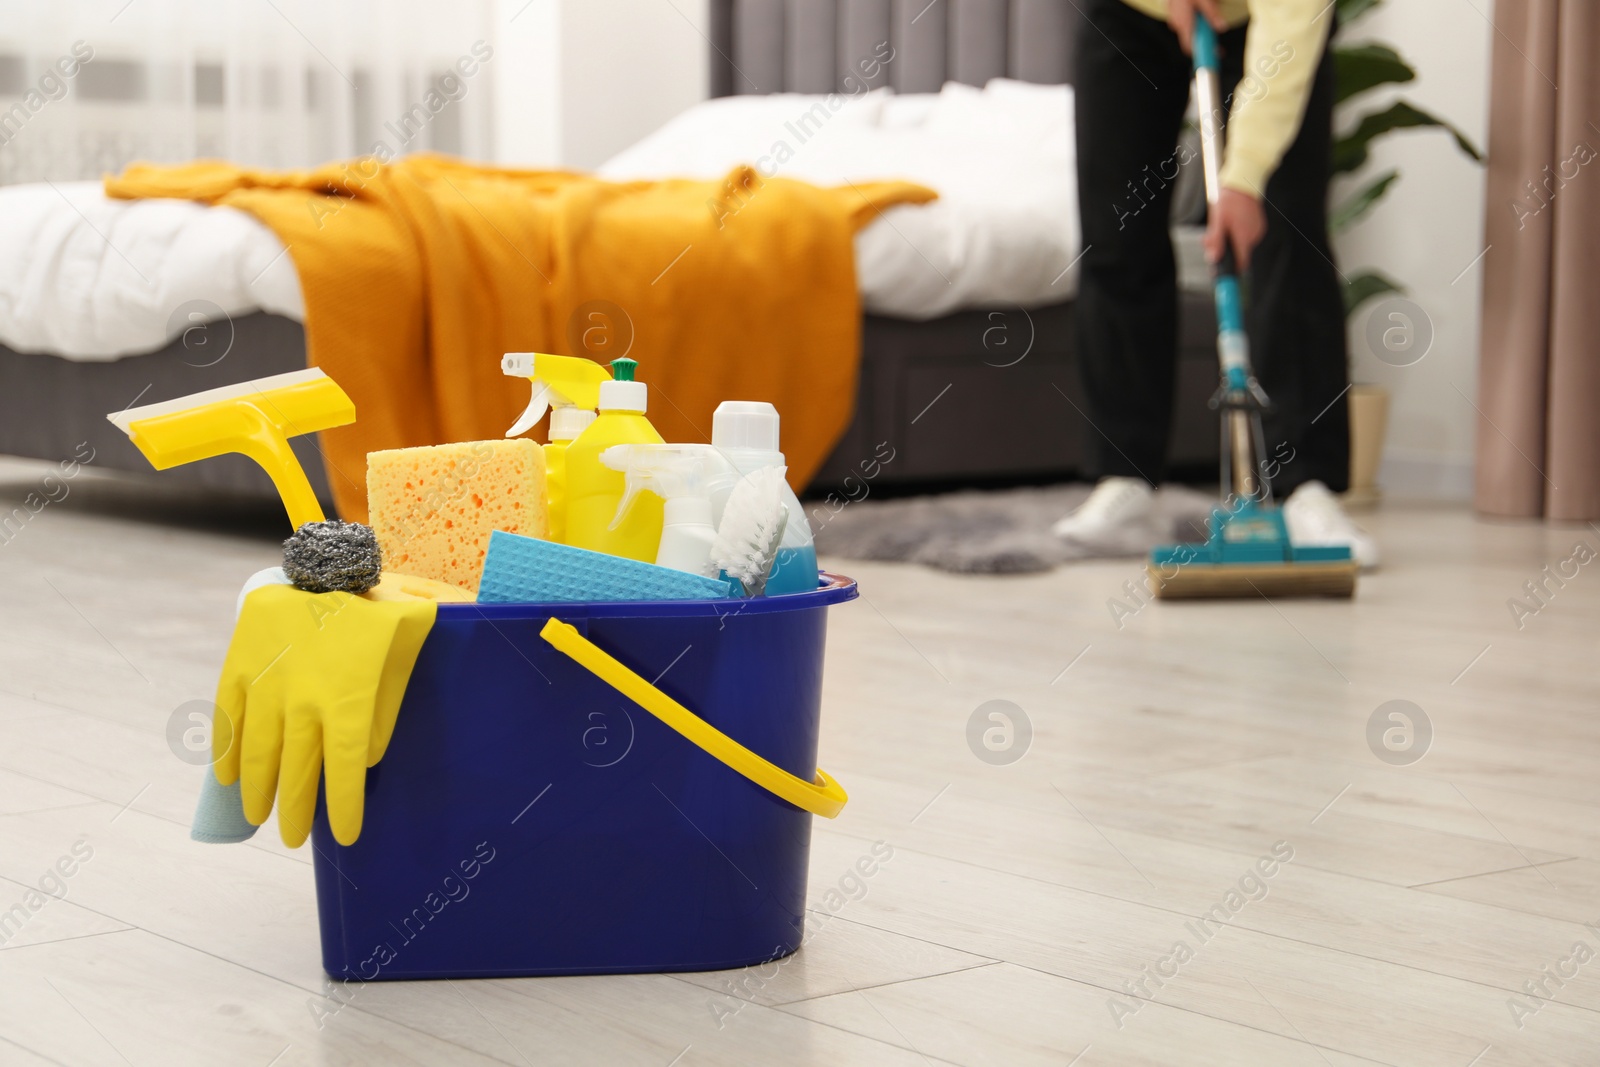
1248,552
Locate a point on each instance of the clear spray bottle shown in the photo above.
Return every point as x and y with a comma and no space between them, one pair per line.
680,475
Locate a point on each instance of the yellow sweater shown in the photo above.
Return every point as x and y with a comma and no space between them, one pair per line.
1282,48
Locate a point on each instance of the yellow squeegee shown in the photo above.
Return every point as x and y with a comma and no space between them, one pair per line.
255,419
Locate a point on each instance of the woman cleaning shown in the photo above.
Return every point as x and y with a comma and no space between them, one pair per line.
1132,91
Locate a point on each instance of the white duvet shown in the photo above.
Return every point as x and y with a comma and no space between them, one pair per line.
89,278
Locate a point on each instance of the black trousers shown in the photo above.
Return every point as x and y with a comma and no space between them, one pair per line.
1132,89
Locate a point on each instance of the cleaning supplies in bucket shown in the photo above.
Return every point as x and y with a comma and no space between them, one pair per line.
624,835
746,433
711,804
594,489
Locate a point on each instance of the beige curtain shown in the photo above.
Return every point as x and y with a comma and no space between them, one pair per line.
1538,440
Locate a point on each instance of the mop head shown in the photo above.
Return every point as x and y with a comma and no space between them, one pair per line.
1249,554
1209,581
333,557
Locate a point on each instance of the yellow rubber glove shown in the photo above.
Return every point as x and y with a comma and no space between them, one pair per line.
311,684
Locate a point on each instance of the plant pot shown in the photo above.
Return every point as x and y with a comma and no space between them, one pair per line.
1369,424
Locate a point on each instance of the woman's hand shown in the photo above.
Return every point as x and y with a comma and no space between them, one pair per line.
1238,219
1180,16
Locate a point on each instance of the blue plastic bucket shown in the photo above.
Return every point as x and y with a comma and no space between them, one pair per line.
527,819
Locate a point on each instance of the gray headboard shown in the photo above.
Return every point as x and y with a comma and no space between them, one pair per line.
813,46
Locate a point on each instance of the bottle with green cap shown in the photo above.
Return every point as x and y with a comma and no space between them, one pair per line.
594,490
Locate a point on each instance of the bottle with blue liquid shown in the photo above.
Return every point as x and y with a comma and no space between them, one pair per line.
746,433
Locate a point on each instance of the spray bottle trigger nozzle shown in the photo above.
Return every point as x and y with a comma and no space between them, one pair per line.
517,364
617,458
670,471
537,406
623,505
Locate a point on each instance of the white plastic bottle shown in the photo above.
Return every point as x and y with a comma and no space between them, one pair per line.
680,475
746,433
687,535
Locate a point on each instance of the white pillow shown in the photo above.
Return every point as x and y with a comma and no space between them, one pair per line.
1017,120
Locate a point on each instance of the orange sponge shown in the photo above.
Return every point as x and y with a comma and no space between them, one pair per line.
433,508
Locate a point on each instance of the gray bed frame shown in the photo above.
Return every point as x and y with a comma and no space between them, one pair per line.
978,397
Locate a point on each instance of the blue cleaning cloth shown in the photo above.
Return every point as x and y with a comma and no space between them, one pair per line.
219,817
219,820
521,569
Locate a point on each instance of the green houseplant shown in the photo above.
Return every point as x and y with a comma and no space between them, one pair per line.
1358,70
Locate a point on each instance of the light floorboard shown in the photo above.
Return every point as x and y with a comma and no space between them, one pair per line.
1171,747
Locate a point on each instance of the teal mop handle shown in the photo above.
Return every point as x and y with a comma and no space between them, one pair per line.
1233,350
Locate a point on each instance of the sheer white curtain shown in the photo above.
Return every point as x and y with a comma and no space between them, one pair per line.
87,87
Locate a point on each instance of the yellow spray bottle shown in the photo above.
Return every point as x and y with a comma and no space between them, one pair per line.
594,490
566,425
569,386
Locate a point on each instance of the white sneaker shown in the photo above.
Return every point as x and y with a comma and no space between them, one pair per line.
1117,517
1314,517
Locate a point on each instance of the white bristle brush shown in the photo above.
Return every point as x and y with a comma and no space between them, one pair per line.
753,522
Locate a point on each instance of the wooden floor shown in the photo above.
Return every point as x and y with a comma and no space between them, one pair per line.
1047,911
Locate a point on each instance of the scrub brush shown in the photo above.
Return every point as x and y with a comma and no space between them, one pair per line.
333,557
752,525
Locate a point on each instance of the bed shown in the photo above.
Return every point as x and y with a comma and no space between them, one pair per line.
967,366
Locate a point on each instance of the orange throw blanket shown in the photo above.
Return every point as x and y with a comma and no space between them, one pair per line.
419,274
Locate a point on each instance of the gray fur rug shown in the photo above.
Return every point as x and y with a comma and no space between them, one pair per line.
1004,531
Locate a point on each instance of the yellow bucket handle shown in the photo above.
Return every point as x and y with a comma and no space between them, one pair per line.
824,797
